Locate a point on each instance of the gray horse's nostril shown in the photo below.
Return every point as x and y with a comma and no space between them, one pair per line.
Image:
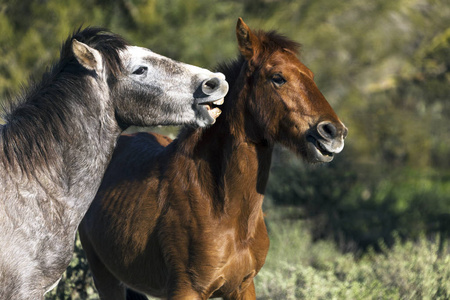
209,86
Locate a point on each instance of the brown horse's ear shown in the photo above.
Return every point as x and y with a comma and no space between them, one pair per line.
248,43
88,57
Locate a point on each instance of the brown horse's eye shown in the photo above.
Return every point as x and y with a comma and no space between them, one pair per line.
278,80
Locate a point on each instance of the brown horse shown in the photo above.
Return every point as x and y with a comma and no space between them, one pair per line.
183,219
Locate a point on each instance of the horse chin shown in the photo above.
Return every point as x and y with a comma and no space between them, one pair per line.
204,118
208,114
316,153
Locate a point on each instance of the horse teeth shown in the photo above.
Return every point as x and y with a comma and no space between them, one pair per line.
215,112
219,102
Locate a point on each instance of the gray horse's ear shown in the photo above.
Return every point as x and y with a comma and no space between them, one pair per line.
88,57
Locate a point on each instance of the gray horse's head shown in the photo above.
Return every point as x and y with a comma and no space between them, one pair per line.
148,89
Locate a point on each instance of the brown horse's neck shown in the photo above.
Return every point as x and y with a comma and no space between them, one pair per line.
230,156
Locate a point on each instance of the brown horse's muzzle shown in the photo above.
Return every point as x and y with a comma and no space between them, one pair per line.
326,140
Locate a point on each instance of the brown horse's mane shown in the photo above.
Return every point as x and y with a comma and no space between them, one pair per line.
272,41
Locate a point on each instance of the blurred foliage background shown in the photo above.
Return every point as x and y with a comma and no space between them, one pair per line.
385,68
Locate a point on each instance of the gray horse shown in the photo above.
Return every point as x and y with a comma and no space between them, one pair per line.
59,137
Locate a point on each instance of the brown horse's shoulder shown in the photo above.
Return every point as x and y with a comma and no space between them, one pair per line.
144,145
150,139
135,157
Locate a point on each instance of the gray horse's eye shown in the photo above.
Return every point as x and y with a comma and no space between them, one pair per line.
140,70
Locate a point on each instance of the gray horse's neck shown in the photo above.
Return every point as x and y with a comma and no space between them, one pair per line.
71,172
45,206
85,159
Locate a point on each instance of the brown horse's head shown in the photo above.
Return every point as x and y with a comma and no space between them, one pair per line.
284,98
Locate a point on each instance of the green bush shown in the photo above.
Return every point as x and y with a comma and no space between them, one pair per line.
356,206
298,268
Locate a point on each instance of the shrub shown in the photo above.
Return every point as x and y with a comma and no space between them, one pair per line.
298,268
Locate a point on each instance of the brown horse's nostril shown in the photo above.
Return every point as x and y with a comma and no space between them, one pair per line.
209,86
327,130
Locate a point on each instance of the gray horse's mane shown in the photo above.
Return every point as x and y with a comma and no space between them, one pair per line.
37,120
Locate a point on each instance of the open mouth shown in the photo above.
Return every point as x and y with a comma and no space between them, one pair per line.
318,150
322,149
214,112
